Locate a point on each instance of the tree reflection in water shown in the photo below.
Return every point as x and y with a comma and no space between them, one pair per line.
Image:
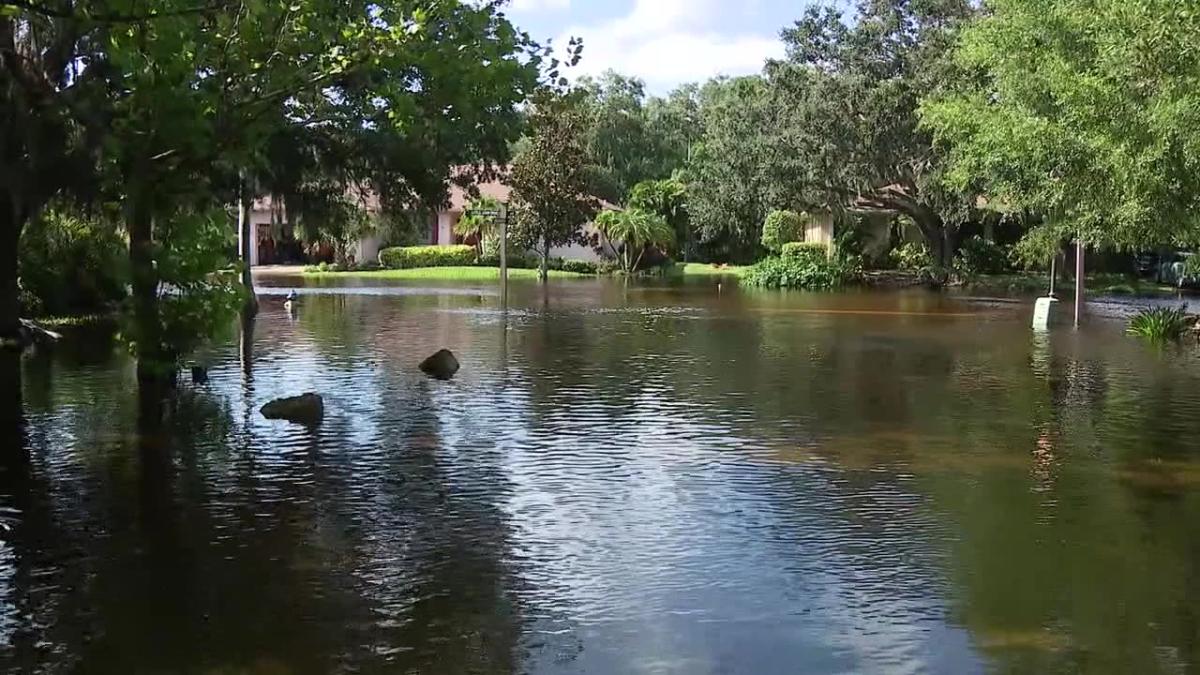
627,477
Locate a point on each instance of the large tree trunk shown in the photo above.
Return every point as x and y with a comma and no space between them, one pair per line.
12,411
156,366
245,232
10,301
941,238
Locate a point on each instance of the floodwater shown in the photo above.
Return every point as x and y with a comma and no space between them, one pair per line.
622,479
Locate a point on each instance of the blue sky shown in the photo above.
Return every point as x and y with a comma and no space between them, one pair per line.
664,42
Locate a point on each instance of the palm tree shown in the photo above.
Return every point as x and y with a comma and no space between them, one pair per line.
631,232
479,220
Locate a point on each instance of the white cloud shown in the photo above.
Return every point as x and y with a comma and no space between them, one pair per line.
669,42
534,5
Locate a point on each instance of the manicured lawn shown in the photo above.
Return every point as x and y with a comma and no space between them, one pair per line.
447,273
706,270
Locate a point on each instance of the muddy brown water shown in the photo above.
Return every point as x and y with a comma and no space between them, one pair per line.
656,478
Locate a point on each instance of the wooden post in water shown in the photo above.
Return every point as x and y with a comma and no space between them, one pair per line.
1079,249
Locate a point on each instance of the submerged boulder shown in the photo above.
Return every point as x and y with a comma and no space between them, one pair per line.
303,409
441,365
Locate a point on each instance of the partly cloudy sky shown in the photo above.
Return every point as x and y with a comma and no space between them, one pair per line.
664,42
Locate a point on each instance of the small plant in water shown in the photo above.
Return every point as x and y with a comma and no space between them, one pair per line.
1161,324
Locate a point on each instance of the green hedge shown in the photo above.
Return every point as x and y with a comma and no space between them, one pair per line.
804,251
408,257
516,261
781,228
580,266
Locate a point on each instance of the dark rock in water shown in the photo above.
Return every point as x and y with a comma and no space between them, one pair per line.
199,375
441,365
304,409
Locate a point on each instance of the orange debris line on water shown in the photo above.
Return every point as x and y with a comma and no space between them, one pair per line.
865,312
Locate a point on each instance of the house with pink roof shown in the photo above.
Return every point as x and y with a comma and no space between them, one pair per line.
274,242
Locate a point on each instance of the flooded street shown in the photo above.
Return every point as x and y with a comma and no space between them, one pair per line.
656,478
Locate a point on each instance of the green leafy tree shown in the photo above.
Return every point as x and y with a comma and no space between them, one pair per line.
191,105
337,220
625,143
631,232
675,124
844,131
1086,112
53,107
781,227
551,199
728,188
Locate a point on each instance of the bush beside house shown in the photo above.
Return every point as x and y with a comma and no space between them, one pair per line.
800,265
407,257
781,228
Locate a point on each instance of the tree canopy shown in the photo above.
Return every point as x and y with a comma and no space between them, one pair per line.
175,113
1084,111
844,106
552,187
630,137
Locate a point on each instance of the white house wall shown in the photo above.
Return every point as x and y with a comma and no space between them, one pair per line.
445,229
367,249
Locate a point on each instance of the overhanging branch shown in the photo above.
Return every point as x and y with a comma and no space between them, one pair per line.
54,13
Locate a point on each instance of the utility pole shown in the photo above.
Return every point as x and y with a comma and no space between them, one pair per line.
503,216
1079,249
499,217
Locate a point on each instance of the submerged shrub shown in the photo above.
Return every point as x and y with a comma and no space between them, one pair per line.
580,266
808,272
981,256
1161,324
408,257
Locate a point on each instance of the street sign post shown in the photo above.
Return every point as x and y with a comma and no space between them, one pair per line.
499,217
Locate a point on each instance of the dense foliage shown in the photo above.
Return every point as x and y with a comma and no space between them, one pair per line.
780,228
1085,111
810,272
406,257
668,199
805,251
631,232
72,263
981,256
729,193
911,257
630,138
